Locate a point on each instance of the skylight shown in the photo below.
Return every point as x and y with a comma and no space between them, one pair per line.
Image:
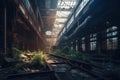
64,9
62,20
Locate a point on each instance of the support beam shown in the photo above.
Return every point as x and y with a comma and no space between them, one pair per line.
59,9
50,17
5,30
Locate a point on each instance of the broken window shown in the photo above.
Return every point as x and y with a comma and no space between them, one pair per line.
93,41
83,43
112,39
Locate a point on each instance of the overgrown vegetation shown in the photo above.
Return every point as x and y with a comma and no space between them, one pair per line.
70,53
30,60
26,62
38,58
16,53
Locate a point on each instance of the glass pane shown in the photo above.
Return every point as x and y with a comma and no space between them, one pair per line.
112,43
83,47
112,28
93,45
112,34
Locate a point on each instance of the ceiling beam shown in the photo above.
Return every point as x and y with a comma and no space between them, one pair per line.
47,16
59,9
60,22
62,17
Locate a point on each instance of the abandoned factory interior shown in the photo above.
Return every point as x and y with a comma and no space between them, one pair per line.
59,39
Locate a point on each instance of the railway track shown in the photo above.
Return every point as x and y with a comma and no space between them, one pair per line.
61,68
73,70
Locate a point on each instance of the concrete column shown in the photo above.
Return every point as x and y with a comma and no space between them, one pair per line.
98,48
